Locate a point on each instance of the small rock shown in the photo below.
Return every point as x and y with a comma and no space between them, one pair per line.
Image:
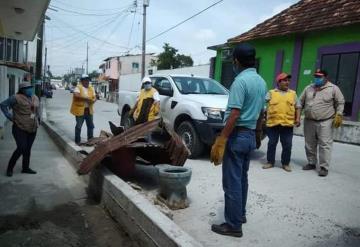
212,214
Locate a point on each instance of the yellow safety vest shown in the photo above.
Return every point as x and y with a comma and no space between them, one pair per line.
154,110
78,105
281,108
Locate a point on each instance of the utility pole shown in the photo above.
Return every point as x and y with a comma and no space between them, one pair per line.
87,58
39,47
145,5
45,67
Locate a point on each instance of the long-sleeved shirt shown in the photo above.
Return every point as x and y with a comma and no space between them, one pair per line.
322,103
6,105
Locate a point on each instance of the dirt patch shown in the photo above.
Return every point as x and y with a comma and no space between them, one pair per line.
66,225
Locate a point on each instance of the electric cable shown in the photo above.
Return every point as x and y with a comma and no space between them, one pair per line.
182,22
80,13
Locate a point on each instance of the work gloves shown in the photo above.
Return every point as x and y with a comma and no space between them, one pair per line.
337,122
217,150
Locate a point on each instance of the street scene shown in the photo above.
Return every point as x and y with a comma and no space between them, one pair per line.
156,123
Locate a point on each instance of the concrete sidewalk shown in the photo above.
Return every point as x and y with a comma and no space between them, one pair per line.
51,207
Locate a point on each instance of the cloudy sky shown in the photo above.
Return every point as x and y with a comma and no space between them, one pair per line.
113,27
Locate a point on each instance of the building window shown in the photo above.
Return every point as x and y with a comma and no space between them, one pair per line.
343,70
15,50
2,48
8,49
135,67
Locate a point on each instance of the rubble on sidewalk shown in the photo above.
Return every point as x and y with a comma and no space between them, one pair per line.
151,141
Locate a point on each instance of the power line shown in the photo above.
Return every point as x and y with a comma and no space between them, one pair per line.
175,26
91,36
91,10
132,26
80,13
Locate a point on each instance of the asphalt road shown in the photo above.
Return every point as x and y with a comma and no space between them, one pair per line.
284,209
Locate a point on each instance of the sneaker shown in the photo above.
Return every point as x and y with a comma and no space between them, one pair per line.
323,172
267,166
287,168
309,167
225,229
28,171
9,173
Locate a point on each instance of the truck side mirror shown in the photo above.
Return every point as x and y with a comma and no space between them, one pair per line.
166,92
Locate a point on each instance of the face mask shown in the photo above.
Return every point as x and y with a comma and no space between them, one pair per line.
147,86
319,81
28,92
236,69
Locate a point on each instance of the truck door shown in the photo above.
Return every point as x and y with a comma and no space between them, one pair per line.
163,85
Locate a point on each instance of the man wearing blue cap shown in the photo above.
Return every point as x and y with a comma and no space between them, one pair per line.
240,136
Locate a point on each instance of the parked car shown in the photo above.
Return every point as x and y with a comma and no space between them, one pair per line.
192,106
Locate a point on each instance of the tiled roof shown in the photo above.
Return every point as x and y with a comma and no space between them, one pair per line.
306,15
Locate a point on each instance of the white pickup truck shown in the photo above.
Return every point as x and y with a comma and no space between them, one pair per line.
192,106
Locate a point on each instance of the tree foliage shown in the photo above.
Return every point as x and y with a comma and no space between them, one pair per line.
170,59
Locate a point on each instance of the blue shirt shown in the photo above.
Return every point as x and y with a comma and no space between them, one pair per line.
247,93
6,104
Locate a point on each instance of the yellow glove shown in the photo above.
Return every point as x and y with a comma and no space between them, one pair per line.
217,150
337,122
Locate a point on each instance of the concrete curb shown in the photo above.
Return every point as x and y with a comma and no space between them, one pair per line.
142,220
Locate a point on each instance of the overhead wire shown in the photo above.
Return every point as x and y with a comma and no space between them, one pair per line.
182,22
80,13
86,9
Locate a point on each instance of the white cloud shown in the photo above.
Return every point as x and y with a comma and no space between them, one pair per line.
276,10
205,35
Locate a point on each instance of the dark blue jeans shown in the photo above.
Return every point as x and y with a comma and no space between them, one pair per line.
89,124
235,175
286,135
24,141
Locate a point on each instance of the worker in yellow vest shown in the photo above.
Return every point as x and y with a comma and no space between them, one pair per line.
82,107
147,106
283,113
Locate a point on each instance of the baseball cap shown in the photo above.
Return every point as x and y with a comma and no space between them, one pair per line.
146,79
282,76
320,72
244,52
84,77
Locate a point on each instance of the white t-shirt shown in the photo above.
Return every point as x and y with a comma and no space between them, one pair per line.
86,93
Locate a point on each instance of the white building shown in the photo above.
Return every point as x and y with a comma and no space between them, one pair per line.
19,23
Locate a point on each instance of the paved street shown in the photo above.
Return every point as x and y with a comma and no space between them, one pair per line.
58,110
284,209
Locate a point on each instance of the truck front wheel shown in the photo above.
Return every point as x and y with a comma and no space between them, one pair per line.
190,138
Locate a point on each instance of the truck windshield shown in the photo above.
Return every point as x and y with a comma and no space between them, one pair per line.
196,85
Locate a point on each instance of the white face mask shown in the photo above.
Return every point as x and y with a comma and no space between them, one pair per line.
147,86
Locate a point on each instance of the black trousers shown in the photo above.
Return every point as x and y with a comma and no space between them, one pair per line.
24,141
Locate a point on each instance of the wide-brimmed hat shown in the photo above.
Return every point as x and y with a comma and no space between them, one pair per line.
24,85
282,76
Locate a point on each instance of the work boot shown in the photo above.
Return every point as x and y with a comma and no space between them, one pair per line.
309,167
267,166
225,229
9,173
287,168
28,171
323,172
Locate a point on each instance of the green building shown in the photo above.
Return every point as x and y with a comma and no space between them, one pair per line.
308,35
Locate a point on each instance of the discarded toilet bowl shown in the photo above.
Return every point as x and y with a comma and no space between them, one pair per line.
173,181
